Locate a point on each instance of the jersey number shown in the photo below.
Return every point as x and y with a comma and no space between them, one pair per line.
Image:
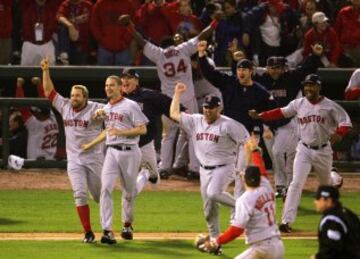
270,212
171,70
49,141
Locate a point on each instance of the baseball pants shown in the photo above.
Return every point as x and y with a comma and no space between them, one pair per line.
272,248
32,54
124,164
84,178
305,159
148,166
213,185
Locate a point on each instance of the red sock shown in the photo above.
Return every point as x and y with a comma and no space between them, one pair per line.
84,215
127,224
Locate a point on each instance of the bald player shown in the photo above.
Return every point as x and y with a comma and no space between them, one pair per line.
83,167
321,123
124,124
216,141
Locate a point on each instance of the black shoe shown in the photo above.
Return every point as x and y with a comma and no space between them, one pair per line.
280,191
89,237
164,175
153,179
180,171
108,238
127,233
218,251
191,175
285,228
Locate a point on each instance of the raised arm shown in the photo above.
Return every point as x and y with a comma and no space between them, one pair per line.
47,83
126,21
175,103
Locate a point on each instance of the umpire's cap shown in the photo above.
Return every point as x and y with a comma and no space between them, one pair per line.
212,101
252,176
245,63
327,191
312,79
276,62
129,72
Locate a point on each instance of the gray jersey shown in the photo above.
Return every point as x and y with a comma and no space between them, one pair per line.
354,81
255,212
316,121
43,135
216,143
124,114
174,65
80,129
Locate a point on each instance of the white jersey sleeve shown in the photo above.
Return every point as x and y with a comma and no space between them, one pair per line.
291,109
187,122
340,116
354,81
153,52
238,132
189,47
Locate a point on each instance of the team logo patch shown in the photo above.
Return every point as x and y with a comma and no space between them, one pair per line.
333,234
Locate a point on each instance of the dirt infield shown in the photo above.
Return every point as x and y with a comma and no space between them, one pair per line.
58,180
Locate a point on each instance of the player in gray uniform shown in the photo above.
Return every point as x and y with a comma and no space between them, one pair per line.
216,140
352,91
83,167
321,123
124,123
254,214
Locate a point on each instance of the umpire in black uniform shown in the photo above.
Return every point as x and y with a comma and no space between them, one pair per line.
339,228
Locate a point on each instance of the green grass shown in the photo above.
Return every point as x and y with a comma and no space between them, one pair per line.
294,249
54,211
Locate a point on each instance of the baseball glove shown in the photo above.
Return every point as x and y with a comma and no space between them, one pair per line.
206,244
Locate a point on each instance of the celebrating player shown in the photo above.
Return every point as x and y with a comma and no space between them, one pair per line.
83,167
216,141
173,64
322,122
124,123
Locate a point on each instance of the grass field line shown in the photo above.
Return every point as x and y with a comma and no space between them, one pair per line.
137,236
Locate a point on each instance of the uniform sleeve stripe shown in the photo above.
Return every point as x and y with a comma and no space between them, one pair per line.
52,95
333,218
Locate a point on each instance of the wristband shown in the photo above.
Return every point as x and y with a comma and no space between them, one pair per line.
214,24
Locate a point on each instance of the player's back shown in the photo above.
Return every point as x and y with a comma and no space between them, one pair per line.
255,211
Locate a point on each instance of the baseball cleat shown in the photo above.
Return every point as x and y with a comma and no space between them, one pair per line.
193,175
218,251
285,228
108,238
164,174
89,237
127,233
153,179
280,191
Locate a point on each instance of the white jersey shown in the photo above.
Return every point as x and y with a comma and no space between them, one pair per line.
174,65
316,121
42,137
216,143
80,129
255,212
124,114
354,81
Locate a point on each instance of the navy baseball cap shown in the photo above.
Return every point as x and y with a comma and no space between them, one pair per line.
245,63
130,73
212,101
276,61
327,191
312,79
252,176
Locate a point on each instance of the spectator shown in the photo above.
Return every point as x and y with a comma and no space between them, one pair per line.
306,17
325,36
347,27
18,135
230,28
277,30
5,31
352,91
41,126
113,39
38,26
74,31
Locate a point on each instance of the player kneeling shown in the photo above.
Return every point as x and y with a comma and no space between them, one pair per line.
254,214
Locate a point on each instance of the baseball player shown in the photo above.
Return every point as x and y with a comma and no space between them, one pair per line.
173,62
216,141
83,167
321,122
352,91
124,123
41,125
